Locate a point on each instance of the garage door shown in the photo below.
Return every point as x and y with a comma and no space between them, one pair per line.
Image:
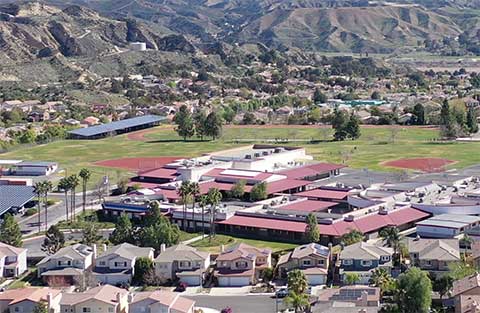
191,280
233,281
315,280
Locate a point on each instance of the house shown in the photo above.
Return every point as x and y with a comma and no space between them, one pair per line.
446,225
466,294
66,265
91,120
160,301
38,116
241,265
26,299
30,168
362,258
116,265
182,262
358,296
312,259
433,255
13,261
106,298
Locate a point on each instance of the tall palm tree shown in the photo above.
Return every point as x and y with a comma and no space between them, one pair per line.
299,302
214,198
382,279
38,189
85,176
46,188
74,182
64,186
184,193
194,192
297,281
393,239
203,203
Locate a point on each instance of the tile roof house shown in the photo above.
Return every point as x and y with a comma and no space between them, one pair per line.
241,264
26,299
183,262
160,301
13,260
433,254
362,258
67,264
466,293
359,296
312,259
116,265
106,298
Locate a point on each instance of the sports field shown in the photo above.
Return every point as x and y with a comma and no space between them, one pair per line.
375,146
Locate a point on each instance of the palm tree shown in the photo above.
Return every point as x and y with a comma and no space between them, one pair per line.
74,182
297,281
214,198
46,188
64,185
38,189
393,239
194,192
203,203
299,302
382,279
184,193
85,176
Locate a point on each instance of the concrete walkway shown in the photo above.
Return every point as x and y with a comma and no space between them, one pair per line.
194,239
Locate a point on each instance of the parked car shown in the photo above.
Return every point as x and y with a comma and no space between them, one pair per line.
181,287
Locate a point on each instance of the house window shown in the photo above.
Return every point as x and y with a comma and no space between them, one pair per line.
102,263
366,263
306,262
385,258
321,262
184,264
347,262
86,310
17,309
110,309
241,264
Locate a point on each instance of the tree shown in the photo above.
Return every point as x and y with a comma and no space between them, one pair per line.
459,270
381,278
353,236
352,278
200,120
339,123
10,231
185,124
376,95
90,233
162,232
184,192
259,192
194,193
238,190
39,191
64,185
472,124
419,113
312,232
319,96
214,198
143,266
41,307
448,125
393,239
203,203
352,128
54,240
299,302
213,125
85,175
414,291
297,281
123,231
443,285
47,187
73,181
248,118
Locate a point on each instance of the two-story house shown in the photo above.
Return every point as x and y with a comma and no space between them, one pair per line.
66,265
117,264
433,255
102,299
160,301
182,262
466,294
312,259
13,260
362,258
24,300
241,265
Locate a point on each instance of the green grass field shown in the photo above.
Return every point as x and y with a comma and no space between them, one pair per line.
374,147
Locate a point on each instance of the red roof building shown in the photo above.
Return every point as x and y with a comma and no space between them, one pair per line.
305,205
313,171
324,194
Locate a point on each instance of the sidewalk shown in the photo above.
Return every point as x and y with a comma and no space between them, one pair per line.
194,239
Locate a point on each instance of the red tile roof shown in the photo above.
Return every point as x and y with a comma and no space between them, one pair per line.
307,205
205,186
324,194
285,184
220,173
165,173
310,170
259,222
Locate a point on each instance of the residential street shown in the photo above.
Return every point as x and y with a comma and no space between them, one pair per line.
239,304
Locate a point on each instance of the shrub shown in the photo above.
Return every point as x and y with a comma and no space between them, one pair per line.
31,212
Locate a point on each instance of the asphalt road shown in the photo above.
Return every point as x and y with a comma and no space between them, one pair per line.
239,304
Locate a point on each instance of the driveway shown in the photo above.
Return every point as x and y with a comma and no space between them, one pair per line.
239,303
